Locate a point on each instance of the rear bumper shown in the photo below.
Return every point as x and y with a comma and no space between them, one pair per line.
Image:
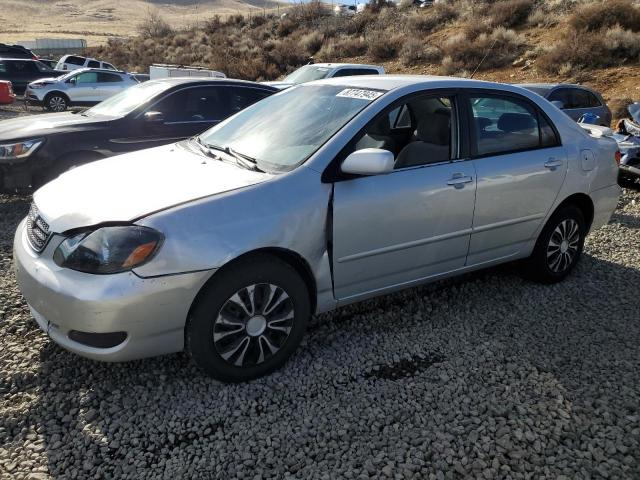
151,311
605,201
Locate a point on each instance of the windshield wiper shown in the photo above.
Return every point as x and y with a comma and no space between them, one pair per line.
243,159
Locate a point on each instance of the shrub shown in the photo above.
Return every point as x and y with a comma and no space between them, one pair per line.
312,42
343,48
596,16
510,13
383,48
487,51
431,19
154,26
584,49
618,107
286,26
415,51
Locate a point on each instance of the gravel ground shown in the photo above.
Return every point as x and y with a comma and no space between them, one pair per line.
487,376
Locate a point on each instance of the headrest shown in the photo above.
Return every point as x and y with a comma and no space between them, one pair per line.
380,126
434,128
483,122
515,122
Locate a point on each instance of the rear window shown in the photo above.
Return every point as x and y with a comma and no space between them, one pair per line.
108,66
505,124
108,77
73,60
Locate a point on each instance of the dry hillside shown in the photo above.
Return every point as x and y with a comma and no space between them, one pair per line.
96,20
582,41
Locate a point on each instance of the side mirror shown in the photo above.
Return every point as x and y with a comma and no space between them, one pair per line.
368,161
153,117
558,104
72,80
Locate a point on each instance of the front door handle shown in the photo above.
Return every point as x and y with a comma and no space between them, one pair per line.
459,179
552,163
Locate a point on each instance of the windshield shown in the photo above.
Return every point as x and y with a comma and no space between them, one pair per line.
308,73
282,131
128,100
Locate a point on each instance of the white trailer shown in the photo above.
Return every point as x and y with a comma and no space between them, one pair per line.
166,71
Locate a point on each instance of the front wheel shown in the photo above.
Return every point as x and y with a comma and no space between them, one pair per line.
559,246
56,103
248,320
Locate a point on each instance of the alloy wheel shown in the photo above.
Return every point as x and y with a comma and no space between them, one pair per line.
57,104
563,245
253,324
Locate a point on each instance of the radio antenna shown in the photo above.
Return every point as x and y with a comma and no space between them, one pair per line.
485,56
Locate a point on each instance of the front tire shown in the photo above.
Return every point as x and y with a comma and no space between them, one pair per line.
249,320
56,102
559,246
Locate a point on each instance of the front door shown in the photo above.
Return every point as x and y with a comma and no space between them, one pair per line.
411,224
84,88
520,166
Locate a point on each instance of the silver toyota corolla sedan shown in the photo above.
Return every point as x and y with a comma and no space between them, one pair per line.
325,194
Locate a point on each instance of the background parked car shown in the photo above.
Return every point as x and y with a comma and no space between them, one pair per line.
49,62
74,62
141,77
6,93
77,88
318,71
574,100
16,51
21,71
146,115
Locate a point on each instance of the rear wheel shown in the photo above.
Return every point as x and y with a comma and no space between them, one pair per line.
559,246
56,102
249,320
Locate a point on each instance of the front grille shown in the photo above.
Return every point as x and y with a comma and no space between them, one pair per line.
37,229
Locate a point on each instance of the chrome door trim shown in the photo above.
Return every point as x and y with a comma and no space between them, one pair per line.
403,246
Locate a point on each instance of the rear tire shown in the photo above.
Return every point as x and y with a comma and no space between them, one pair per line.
558,247
56,102
248,321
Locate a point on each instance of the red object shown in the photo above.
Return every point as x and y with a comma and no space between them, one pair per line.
6,93
618,156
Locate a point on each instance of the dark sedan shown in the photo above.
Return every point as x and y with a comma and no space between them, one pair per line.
22,71
34,150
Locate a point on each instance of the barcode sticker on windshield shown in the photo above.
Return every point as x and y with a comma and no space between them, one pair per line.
359,93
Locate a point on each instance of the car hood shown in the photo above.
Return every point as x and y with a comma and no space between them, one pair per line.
45,124
44,80
278,85
131,186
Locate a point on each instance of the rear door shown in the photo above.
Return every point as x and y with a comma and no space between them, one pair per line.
521,166
109,84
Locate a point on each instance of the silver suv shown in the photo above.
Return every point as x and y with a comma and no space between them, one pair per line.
83,87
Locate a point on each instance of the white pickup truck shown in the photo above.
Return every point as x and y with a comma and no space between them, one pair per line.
319,71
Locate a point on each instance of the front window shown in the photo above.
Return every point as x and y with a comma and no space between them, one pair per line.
128,100
284,130
307,73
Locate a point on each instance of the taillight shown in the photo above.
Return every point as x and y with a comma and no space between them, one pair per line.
618,157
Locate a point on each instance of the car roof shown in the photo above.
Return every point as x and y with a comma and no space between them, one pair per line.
89,69
210,80
551,86
352,65
391,82
19,59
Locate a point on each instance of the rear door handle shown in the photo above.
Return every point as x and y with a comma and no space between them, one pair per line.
552,163
458,180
